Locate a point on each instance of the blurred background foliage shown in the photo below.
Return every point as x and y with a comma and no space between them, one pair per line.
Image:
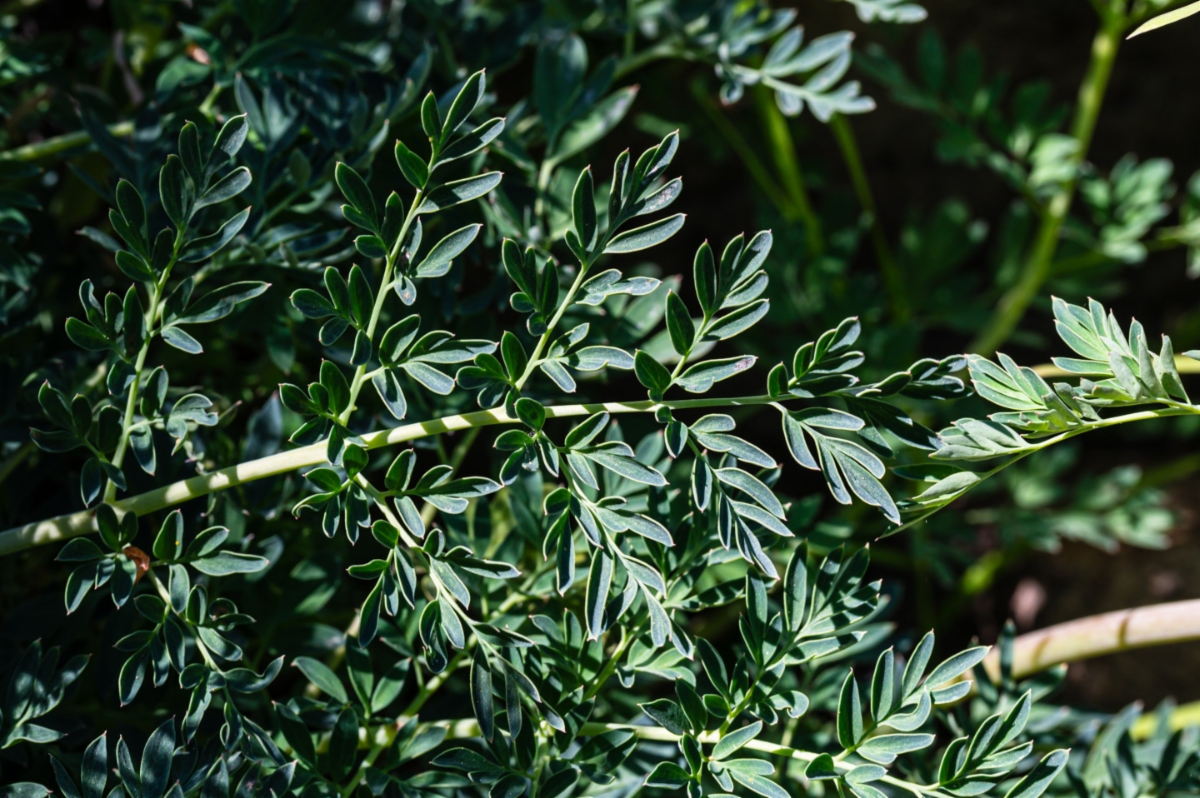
922,217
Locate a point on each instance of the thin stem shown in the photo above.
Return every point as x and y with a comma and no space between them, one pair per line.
357,777
152,315
384,288
210,100
385,735
1169,238
381,502
610,667
456,461
893,278
1036,446
110,490
15,459
534,359
1039,266
683,359
431,686
165,595
545,173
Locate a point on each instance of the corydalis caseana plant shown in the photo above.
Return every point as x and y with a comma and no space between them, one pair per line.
576,556
612,531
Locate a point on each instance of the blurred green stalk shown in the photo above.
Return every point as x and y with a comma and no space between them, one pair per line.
1039,266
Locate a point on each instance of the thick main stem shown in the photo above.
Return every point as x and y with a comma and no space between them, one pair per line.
1038,267
80,523
74,524
1098,635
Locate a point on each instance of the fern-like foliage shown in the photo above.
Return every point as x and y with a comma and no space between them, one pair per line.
507,457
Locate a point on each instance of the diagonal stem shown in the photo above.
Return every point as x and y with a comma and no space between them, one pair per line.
1039,266
385,286
152,315
74,524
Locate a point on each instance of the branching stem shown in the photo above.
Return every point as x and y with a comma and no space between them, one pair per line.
385,287
535,357
152,315
1173,409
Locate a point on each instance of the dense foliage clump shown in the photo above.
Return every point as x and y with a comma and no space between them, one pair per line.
402,438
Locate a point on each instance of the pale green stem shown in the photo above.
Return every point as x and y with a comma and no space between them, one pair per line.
110,490
60,144
357,777
742,148
545,174
165,595
456,461
1099,635
1169,238
385,735
610,667
435,683
1182,716
469,728
1174,409
74,524
1011,308
210,100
